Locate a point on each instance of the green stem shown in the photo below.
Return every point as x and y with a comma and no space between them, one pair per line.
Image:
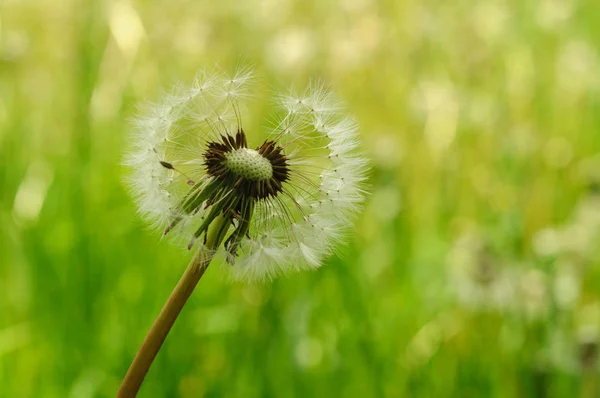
590,384
162,325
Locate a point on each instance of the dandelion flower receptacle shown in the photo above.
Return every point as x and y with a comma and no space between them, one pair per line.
290,192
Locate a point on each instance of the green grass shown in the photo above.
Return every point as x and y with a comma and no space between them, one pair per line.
481,119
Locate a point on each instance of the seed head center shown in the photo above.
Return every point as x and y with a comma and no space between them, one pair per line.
248,164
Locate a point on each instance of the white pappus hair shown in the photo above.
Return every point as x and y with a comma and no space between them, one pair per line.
295,219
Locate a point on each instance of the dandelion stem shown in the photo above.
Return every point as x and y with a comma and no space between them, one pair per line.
163,323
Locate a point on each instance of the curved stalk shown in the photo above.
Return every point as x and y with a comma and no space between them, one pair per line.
163,323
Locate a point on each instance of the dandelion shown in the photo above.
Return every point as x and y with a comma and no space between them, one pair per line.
480,280
276,202
574,343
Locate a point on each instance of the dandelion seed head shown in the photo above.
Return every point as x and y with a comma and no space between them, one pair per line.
291,192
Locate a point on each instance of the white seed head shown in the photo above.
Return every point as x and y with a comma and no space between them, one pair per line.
249,164
291,191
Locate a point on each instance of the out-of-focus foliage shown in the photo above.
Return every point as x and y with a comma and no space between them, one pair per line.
474,270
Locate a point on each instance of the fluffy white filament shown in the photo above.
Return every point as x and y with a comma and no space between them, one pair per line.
291,232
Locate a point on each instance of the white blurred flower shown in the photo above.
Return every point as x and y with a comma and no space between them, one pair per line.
574,346
289,200
533,297
580,236
567,287
479,281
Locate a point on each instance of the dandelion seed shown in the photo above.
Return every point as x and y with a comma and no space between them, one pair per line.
288,197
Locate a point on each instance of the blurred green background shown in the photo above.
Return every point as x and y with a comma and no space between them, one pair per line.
473,271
